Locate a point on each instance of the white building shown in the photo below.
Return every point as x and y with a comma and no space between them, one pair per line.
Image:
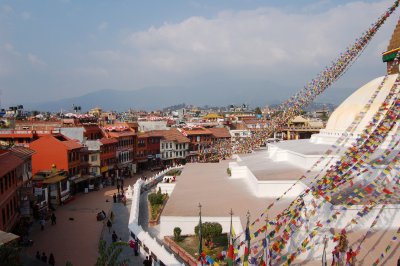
173,145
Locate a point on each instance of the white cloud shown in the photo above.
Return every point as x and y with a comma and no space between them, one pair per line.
10,49
268,41
36,61
6,9
25,15
102,26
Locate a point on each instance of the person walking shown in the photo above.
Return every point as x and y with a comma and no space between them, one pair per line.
118,187
53,219
42,222
109,225
146,261
44,257
115,198
114,237
52,261
37,255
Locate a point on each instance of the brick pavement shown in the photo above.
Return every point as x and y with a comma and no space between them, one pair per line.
77,240
120,226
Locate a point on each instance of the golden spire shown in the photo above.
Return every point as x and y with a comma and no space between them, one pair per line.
393,48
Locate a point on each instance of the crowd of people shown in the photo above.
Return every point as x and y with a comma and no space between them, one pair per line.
43,257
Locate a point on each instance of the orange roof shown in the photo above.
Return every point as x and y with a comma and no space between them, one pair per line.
197,131
71,144
152,133
220,132
174,135
108,141
121,134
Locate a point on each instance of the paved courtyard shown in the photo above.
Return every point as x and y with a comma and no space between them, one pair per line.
77,240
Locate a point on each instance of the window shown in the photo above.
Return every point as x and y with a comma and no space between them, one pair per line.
170,145
93,158
64,184
170,154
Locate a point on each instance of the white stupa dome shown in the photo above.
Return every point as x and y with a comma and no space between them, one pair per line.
344,115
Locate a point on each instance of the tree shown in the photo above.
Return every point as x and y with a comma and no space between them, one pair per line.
156,199
9,254
258,111
209,231
177,234
109,256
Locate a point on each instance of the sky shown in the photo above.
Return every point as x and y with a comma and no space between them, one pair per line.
55,49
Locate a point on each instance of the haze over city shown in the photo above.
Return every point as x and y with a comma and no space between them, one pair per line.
245,50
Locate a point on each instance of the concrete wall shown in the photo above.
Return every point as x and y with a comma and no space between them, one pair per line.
188,223
146,240
166,187
270,188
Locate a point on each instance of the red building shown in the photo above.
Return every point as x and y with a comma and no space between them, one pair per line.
22,137
148,148
200,138
108,156
125,152
220,133
15,169
66,154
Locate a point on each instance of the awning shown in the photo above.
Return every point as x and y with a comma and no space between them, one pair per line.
6,237
83,178
54,179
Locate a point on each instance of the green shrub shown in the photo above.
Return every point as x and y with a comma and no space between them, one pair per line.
228,171
209,230
177,234
156,198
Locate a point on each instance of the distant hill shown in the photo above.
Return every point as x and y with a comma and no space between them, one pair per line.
151,98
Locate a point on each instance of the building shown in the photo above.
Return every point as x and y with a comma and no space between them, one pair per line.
125,153
103,157
22,137
174,147
52,188
300,128
148,149
65,154
15,171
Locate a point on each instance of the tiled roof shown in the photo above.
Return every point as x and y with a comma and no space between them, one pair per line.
8,162
220,132
121,134
197,131
108,141
71,144
22,152
152,133
174,135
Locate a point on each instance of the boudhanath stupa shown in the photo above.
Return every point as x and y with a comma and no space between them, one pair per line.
360,200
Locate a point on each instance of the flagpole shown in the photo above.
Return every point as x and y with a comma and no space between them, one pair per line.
267,259
230,255
324,263
230,229
200,237
247,248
